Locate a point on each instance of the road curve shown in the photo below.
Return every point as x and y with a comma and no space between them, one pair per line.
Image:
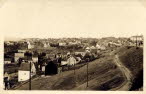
128,83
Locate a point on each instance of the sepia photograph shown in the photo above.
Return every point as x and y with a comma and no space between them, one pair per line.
107,63
73,45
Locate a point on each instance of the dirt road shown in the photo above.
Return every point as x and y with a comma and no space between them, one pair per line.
127,84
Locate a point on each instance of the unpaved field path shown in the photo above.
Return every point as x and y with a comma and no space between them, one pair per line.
127,84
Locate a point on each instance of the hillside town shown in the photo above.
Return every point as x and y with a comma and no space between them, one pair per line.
32,58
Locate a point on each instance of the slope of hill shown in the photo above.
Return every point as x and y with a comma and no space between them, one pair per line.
103,75
133,60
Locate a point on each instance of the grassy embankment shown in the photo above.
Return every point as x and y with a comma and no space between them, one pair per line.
103,75
132,58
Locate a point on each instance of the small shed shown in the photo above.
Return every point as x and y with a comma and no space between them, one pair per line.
51,68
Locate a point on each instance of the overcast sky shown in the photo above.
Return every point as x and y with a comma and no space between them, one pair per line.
84,18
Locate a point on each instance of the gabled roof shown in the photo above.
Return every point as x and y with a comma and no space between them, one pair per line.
18,54
25,66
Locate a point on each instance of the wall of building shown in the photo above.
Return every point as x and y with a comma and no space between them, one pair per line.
23,75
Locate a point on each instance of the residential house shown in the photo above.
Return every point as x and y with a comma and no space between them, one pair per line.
71,61
136,38
9,43
63,63
72,43
7,60
17,56
100,47
113,44
46,45
35,59
30,45
93,49
22,51
62,44
24,71
87,49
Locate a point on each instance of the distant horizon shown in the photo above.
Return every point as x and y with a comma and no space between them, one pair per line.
21,38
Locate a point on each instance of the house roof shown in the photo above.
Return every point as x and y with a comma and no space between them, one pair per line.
19,54
87,48
25,66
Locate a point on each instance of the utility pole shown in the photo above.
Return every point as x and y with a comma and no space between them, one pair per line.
74,68
87,53
136,42
30,77
87,74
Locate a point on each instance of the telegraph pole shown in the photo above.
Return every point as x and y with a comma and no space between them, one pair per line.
136,41
74,68
87,74
87,52
30,77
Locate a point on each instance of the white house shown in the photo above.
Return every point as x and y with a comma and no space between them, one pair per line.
71,61
64,62
35,59
7,60
62,44
100,47
30,46
136,38
113,44
43,68
24,71
9,43
46,45
93,47
22,51
87,49
72,43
